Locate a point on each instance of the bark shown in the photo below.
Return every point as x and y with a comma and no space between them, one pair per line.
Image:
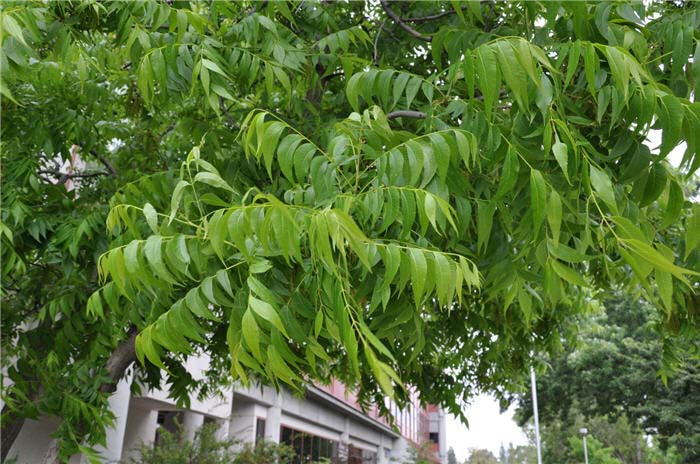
120,359
406,114
639,449
51,456
117,363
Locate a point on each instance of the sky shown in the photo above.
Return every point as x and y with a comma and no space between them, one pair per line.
488,428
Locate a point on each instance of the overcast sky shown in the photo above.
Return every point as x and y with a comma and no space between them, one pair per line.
488,428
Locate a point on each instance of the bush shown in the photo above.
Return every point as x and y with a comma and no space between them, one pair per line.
207,448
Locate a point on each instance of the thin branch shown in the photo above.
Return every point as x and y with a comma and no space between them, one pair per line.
423,19
392,14
63,176
105,162
406,114
376,40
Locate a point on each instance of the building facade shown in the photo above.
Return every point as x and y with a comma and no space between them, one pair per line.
325,423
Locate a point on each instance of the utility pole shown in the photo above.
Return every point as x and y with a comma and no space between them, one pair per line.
533,381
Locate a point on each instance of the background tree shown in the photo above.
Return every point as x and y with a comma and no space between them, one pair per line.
481,456
451,457
608,381
390,194
521,454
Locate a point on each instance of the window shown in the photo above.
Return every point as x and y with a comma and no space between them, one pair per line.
308,447
259,430
435,437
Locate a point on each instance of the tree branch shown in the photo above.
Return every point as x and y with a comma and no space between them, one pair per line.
375,54
423,19
406,114
392,14
62,176
121,358
105,162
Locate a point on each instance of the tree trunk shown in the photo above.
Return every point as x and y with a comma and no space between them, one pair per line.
10,429
12,424
51,456
639,448
117,363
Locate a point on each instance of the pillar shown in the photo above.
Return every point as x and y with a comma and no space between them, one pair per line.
191,422
119,405
274,420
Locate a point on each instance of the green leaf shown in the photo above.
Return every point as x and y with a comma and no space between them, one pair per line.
352,91
561,154
484,221
603,187
379,372
260,267
177,198
153,251
664,282
419,273
199,306
655,184
267,312
212,179
554,215
674,205
279,367
656,259
692,231
572,66
670,112
372,338
538,198
568,274
251,334
12,27
151,217
94,306
431,210
509,173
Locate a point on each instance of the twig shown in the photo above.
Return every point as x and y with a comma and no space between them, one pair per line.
105,162
392,14
62,176
406,114
432,17
376,40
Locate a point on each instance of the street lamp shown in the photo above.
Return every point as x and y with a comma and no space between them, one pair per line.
584,431
533,386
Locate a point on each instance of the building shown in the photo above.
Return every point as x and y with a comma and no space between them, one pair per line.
327,422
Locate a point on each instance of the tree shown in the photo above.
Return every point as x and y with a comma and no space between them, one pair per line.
521,454
481,456
451,458
608,382
389,194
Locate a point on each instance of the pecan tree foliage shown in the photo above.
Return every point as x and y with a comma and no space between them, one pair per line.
394,194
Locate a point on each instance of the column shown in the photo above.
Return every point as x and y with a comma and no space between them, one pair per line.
274,420
119,405
191,422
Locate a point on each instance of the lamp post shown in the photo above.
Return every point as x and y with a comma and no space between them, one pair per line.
584,432
533,385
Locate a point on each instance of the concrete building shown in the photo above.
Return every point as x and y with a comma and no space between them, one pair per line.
326,423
